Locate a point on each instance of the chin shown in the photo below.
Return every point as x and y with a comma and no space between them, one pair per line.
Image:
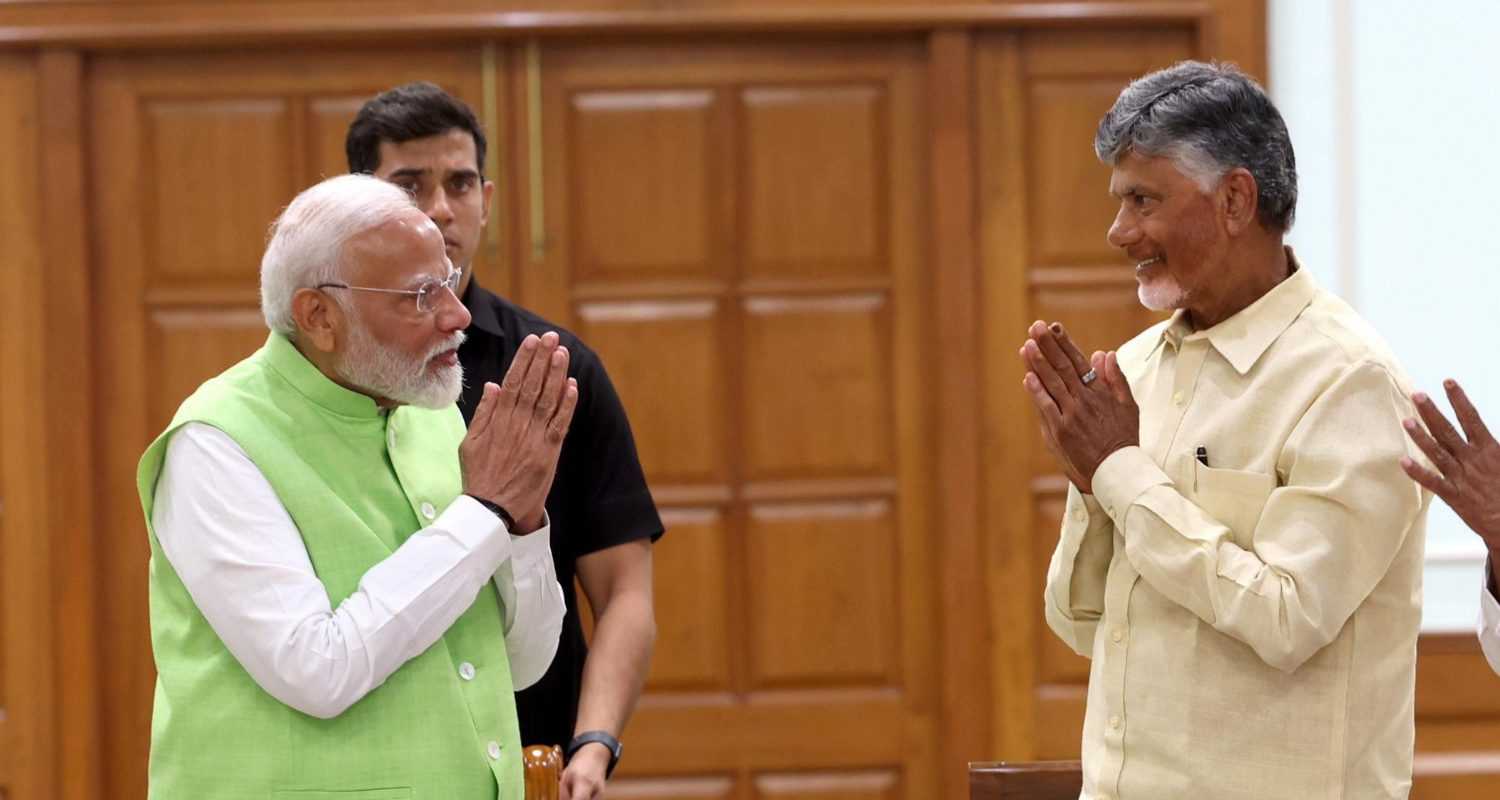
1161,295
440,391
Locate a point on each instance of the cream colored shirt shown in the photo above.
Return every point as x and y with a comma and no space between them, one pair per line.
1252,622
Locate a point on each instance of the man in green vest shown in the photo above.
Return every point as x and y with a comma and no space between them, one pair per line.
346,587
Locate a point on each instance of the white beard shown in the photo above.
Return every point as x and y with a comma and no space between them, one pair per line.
1161,294
379,370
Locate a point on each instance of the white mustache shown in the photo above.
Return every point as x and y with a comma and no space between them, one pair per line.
452,344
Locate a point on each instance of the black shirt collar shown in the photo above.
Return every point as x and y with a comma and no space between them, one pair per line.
481,304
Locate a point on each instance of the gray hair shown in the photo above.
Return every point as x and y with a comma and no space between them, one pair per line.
307,241
1209,119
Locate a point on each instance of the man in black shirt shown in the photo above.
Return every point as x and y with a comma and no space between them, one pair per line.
603,519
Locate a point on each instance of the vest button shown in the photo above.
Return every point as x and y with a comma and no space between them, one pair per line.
466,671
428,511
495,750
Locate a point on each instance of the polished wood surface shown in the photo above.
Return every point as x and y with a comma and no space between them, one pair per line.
543,767
1235,26
1034,780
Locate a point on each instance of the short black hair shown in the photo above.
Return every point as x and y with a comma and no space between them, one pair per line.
412,111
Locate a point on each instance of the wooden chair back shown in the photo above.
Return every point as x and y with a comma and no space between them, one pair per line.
1034,780
544,766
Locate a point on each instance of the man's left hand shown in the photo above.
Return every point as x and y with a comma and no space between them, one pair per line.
583,779
1082,424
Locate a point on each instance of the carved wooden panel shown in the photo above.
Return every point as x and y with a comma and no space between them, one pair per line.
692,641
817,386
627,227
666,396
328,119
193,346
831,137
836,592
191,145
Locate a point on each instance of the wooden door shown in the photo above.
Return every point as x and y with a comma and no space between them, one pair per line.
739,230
193,157
1046,209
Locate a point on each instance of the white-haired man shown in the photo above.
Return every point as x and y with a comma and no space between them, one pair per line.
1242,555
345,587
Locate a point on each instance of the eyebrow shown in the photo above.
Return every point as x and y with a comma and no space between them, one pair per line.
418,172
1132,188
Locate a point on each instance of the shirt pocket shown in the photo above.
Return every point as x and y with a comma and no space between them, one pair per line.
393,793
1234,497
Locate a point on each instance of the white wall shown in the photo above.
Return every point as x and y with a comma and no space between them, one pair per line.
1394,110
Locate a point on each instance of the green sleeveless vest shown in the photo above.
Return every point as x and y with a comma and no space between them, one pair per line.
357,482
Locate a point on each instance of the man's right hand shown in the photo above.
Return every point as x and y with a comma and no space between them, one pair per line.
509,456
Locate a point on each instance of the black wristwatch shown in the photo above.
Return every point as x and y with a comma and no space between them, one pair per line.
505,517
589,737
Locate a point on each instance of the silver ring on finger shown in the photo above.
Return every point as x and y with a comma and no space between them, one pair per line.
1089,377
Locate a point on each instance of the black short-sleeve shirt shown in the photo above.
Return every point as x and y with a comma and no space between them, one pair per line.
598,500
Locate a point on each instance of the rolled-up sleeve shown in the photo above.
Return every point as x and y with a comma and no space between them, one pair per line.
1321,544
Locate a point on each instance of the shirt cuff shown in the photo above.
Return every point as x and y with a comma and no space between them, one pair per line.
1489,620
1122,478
469,522
531,547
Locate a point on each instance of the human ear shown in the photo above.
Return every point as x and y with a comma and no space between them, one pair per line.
318,319
1240,197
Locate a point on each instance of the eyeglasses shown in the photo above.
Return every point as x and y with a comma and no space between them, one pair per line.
427,293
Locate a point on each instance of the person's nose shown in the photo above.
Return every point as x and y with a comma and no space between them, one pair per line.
1123,232
450,313
438,210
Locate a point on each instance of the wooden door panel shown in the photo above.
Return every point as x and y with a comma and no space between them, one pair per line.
848,612
722,224
829,786
686,392
817,387
1068,185
328,118
190,146
629,228
692,642
193,345
828,137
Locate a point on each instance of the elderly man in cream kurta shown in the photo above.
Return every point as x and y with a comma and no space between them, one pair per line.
1241,554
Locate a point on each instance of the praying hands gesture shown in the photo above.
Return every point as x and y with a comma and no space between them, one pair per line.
509,456
1086,407
1470,469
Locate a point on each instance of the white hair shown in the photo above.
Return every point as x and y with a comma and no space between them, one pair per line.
307,241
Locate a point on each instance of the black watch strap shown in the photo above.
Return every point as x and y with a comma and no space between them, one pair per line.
589,737
497,510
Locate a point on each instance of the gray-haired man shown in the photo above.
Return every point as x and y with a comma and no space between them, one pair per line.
1241,555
